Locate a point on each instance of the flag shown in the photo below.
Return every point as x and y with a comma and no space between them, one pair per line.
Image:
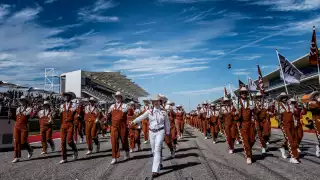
225,92
251,85
314,52
289,73
241,84
260,81
232,94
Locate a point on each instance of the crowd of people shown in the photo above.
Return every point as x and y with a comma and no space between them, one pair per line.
236,121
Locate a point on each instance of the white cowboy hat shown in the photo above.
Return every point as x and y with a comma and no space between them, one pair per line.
131,103
198,106
118,93
71,94
163,97
178,106
225,99
85,100
243,89
170,103
24,98
313,94
212,104
156,97
259,94
292,100
282,95
204,103
92,99
146,100
46,103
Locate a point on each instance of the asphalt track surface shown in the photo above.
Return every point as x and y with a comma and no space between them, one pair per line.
196,158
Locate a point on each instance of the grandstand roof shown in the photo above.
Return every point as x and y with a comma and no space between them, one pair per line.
117,82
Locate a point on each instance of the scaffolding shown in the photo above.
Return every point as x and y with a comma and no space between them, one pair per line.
49,76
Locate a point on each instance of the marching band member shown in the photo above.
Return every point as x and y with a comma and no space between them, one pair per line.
119,130
134,130
245,118
68,110
261,113
214,116
159,127
271,113
145,123
23,114
46,116
314,107
79,121
173,129
92,117
198,118
287,124
180,115
103,122
298,130
228,115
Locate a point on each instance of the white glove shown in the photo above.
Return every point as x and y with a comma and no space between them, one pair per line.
318,99
295,123
97,120
251,107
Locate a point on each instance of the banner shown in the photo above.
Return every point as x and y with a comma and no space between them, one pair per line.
314,52
289,72
251,85
260,81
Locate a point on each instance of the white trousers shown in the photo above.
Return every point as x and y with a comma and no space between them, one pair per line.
156,141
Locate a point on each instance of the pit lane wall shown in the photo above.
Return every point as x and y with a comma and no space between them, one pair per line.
274,122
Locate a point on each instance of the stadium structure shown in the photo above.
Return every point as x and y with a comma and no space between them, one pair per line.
274,85
100,85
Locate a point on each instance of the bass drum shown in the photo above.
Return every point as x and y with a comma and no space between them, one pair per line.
6,128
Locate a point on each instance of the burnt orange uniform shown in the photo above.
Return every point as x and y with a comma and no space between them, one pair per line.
229,125
79,124
92,117
287,126
145,125
214,129
134,130
246,126
21,130
46,117
179,116
261,121
68,111
118,129
314,107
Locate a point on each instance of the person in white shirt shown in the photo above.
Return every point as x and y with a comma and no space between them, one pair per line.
159,126
117,113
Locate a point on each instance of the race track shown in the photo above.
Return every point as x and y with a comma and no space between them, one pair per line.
196,159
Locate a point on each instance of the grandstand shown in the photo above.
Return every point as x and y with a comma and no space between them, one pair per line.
100,85
274,84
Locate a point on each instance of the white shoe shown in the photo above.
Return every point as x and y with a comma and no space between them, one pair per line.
75,156
237,142
317,150
294,161
267,143
299,151
131,150
206,137
230,151
63,161
127,156
42,153
113,161
214,142
249,161
283,153
15,160
89,152
146,142
30,154
263,150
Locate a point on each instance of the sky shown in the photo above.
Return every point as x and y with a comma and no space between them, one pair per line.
179,48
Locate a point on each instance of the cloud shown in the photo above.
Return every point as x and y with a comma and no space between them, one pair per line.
142,67
141,43
216,52
147,23
290,5
239,72
248,58
50,1
93,13
201,92
198,16
184,1
141,31
4,10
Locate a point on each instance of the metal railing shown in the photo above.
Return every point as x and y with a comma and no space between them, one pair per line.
96,94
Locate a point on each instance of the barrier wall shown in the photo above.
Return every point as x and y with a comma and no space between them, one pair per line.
274,122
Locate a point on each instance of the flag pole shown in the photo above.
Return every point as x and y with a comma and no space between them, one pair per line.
314,29
281,71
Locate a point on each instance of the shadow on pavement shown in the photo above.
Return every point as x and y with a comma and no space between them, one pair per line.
95,157
186,149
178,167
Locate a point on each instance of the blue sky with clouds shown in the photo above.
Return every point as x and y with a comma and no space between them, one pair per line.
179,48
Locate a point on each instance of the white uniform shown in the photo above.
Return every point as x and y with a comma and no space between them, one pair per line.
159,124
